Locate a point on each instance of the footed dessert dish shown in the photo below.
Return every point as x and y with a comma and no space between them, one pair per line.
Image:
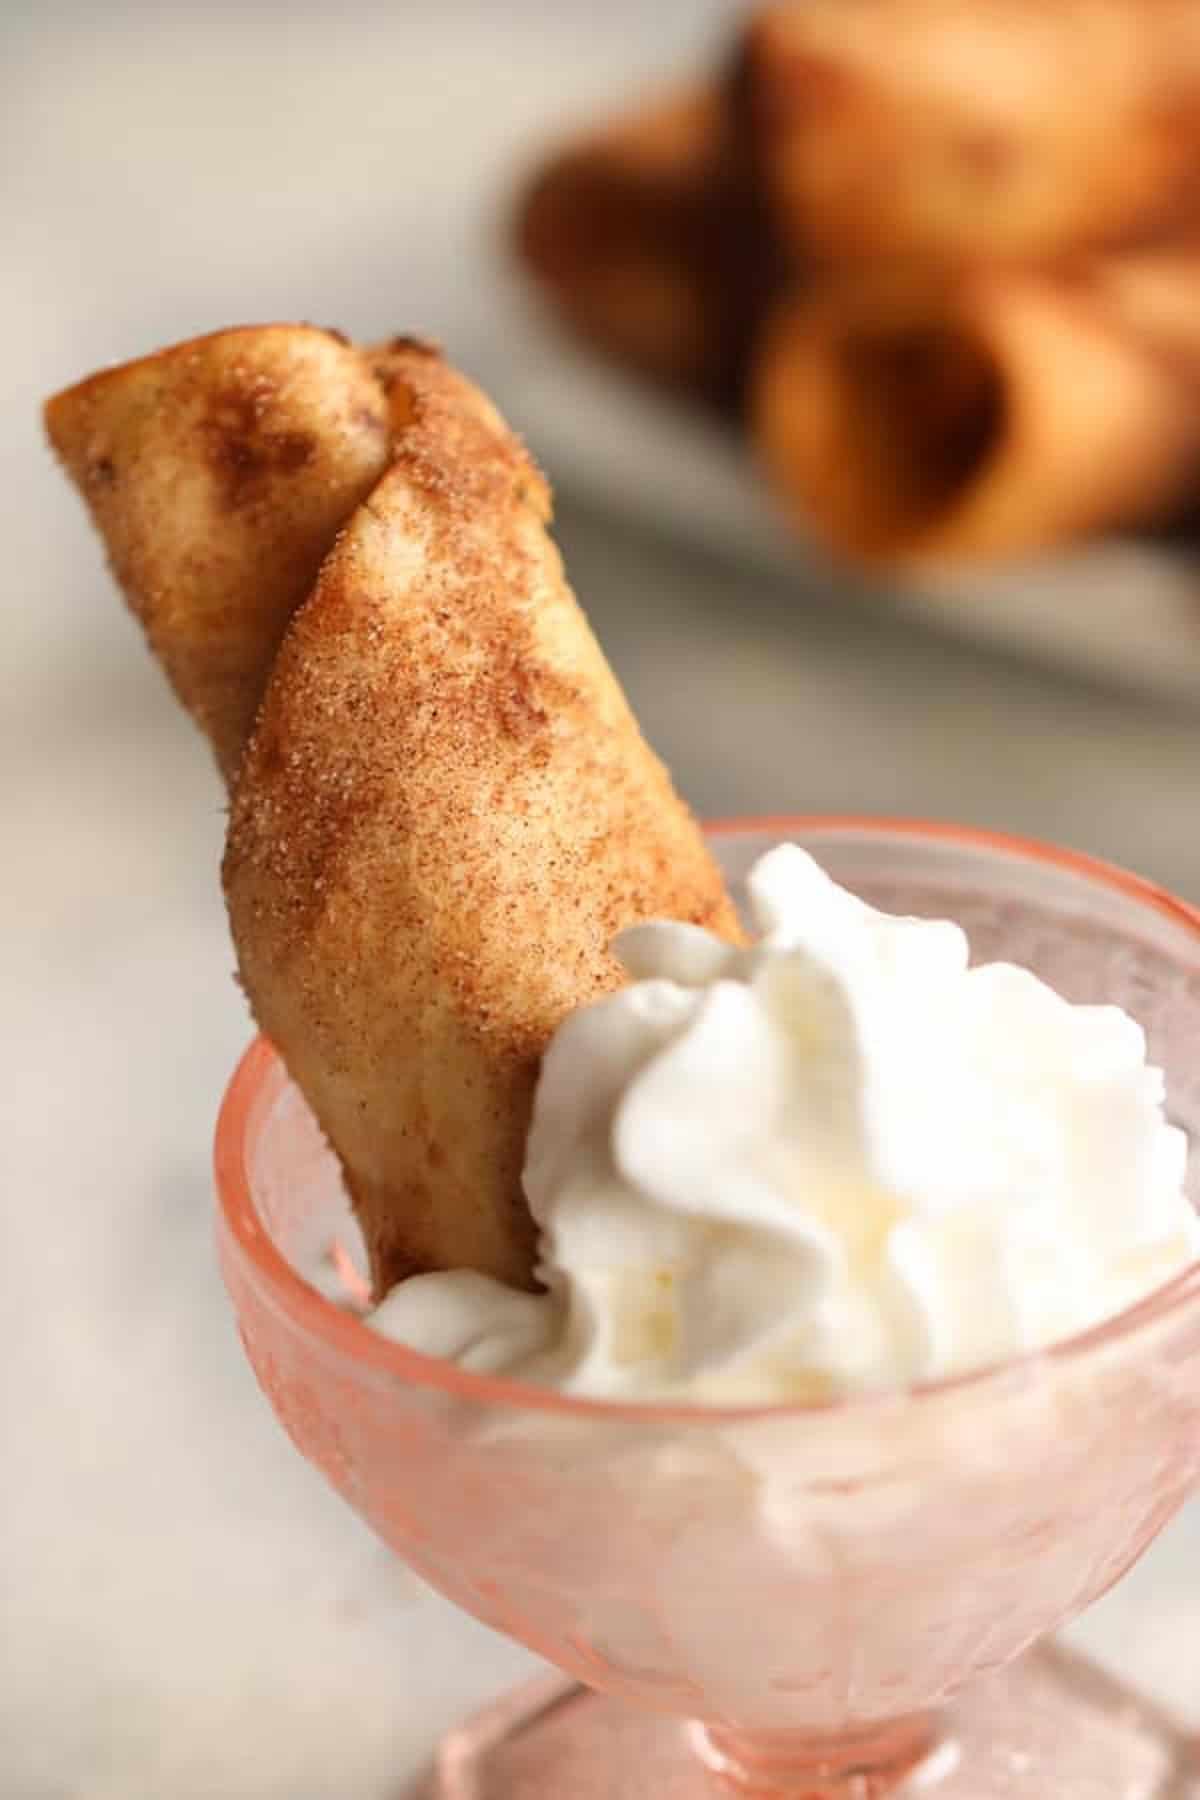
757,1273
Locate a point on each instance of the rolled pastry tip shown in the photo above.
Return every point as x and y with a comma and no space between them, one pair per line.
974,128
643,236
990,415
218,473
445,813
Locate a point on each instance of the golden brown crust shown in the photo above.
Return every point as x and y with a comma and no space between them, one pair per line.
218,472
445,813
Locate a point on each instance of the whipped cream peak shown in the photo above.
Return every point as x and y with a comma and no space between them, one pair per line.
838,1158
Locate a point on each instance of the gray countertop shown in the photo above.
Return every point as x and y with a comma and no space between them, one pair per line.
186,1610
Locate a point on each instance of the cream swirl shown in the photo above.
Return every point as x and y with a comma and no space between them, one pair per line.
838,1160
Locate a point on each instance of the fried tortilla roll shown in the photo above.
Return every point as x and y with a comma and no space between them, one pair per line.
218,472
444,814
446,809
989,415
974,128
644,237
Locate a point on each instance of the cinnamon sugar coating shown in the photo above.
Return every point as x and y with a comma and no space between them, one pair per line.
445,810
218,472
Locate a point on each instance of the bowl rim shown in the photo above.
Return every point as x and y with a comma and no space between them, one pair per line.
241,1232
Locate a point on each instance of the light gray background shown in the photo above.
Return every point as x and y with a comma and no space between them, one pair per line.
184,1609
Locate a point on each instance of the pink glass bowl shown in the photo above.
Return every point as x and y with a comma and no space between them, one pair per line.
811,1584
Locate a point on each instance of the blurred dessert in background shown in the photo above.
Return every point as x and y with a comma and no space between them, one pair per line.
644,234
442,810
980,411
966,241
974,129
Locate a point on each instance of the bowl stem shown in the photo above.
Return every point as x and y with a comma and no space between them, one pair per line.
784,1765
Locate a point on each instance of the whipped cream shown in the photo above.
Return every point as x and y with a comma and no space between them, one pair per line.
838,1160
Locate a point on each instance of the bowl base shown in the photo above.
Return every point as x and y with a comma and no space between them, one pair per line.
1051,1727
